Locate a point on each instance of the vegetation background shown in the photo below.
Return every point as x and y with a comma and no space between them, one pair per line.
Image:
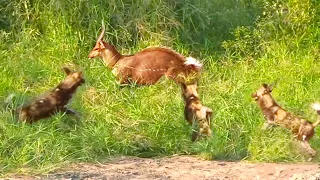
242,43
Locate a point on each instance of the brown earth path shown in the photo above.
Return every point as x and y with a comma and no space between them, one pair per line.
181,167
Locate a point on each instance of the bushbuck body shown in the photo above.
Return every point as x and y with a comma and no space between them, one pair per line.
195,113
147,66
275,114
55,101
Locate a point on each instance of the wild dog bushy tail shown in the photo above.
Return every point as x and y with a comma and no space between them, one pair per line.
9,101
316,107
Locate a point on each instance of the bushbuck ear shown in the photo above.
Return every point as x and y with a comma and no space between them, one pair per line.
102,46
67,70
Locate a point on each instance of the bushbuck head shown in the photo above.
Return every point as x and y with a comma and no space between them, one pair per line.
99,46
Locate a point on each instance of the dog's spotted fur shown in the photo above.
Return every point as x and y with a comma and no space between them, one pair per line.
195,113
274,114
55,101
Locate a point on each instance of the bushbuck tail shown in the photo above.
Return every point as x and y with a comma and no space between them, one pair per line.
275,114
195,113
147,66
55,101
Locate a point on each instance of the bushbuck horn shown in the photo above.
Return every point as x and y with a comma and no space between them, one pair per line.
102,32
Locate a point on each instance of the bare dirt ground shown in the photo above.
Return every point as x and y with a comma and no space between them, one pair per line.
181,167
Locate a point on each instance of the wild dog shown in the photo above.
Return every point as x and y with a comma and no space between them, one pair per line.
146,67
55,101
195,113
276,115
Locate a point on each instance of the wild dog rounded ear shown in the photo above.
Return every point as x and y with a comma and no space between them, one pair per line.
183,86
271,86
66,70
209,114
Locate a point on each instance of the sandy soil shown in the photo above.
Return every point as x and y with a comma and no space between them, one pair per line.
182,167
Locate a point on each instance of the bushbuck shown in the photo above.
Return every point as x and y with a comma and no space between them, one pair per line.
195,113
275,114
55,101
147,66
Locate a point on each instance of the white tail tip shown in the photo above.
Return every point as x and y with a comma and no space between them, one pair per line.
193,61
316,106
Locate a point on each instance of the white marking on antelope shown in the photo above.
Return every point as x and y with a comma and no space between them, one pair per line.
316,106
193,61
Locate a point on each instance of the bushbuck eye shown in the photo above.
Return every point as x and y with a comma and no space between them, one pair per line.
265,91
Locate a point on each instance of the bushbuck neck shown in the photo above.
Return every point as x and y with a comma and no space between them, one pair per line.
109,54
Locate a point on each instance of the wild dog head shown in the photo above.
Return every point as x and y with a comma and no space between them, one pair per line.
264,90
189,90
73,79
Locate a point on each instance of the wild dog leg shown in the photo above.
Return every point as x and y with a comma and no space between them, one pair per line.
70,111
308,148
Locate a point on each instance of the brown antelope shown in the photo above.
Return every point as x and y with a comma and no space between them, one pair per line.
195,113
55,101
274,114
147,66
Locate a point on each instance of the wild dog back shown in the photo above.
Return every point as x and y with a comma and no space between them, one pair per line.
273,112
55,101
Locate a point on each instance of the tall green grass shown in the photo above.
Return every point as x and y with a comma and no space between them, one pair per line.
242,44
